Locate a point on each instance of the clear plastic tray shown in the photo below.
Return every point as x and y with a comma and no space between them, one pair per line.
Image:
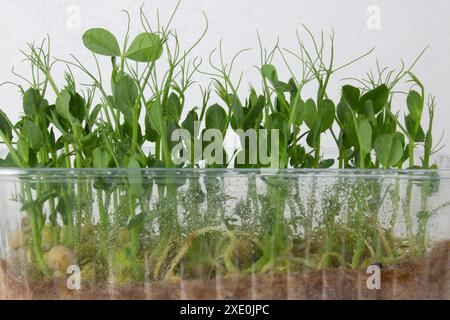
226,234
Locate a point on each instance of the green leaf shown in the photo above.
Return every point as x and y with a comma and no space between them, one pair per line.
77,106
8,162
325,164
279,121
189,123
94,114
150,133
126,94
32,102
415,106
174,108
281,87
389,149
33,135
297,110
238,111
313,134
252,98
63,106
311,114
88,144
368,112
255,114
351,96
146,47
102,42
216,118
23,149
101,158
416,131
327,115
282,104
379,96
365,136
297,156
386,123
344,112
127,129
5,126
156,118
268,71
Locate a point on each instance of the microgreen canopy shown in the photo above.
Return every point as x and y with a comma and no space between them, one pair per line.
99,127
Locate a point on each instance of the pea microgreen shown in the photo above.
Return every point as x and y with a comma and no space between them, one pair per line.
142,218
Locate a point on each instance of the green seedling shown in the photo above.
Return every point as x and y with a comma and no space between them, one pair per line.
157,225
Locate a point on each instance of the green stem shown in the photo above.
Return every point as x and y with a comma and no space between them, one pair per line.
104,223
134,239
36,235
411,153
317,152
134,139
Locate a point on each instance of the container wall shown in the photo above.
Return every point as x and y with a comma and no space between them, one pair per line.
225,234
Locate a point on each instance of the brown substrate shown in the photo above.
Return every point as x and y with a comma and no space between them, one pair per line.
420,278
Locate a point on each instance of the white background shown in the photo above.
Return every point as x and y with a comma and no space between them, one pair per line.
406,27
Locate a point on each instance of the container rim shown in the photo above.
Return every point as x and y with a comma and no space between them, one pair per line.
416,174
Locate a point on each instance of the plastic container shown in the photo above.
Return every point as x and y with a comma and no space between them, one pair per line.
227,234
